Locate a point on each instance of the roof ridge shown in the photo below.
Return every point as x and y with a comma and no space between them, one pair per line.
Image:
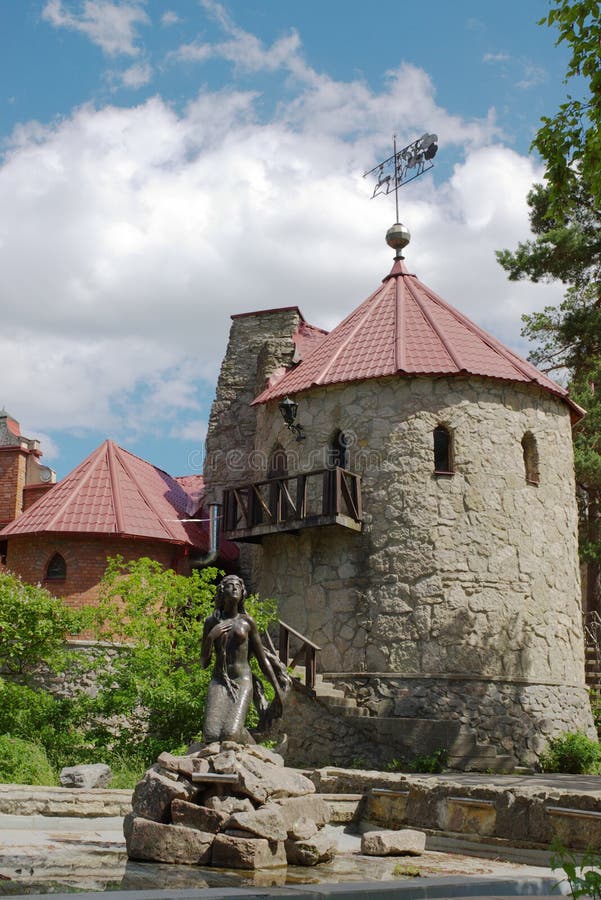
142,492
93,464
435,328
361,313
115,485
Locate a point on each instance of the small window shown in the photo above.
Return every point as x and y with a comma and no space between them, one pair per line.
338,452
443,451
56,569
530,452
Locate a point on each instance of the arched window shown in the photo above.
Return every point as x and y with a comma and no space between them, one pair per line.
443,451
56,570
530,452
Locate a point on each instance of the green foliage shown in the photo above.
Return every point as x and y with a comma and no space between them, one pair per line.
570,141
565,218
33,626
404,870
584,876
395,765
572,753
22,762
596,709
432,763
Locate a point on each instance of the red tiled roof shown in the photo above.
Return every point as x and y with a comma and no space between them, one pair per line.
404,328
194,486
114,492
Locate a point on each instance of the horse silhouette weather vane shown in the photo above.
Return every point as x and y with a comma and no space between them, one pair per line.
404,165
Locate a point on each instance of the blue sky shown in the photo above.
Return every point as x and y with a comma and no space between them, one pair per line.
166,164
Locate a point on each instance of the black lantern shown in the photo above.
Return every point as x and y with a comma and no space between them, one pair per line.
288,409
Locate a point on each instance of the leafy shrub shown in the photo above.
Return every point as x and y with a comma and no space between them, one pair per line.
584,877
572,753
33,625
22,762
56,724
431,763
596,709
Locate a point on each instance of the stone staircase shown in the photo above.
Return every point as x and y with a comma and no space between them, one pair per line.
411,736
592,667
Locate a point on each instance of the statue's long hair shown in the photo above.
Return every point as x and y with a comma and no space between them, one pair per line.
221,590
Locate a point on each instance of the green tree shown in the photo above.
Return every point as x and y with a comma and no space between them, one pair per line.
570,141
565,219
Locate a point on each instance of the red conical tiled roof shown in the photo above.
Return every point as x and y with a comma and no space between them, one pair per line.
404,328
114,492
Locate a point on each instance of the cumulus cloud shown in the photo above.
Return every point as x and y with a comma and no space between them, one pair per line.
170,18
128,236
136,76
244,50
110,25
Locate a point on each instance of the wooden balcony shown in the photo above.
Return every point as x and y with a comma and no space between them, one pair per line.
288,503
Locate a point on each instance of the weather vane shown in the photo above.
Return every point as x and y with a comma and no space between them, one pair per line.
404,165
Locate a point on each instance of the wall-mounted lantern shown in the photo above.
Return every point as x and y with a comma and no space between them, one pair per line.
288,409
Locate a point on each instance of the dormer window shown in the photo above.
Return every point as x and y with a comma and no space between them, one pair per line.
56,570
530,453
443,451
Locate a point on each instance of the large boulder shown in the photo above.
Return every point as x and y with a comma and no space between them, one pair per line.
153,796
247,853
157,842
317,849
265,822
96,775
406,842
200,817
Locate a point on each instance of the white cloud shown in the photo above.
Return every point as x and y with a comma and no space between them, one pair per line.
244,50
533,75
170,18
110,25
128,236
495,57
136,76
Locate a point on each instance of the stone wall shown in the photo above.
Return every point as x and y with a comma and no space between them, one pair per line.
473,573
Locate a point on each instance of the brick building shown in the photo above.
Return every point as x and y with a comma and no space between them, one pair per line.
112,503
23,478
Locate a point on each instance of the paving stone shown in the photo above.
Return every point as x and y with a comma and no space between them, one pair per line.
243,853
406,842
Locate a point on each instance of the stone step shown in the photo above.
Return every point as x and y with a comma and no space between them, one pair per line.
349,712
336,698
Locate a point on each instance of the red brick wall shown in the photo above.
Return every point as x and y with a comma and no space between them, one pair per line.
33,492
12,480
85,556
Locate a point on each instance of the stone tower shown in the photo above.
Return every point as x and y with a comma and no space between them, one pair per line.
423,533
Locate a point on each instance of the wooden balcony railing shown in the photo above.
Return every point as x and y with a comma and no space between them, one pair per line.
307,652
291,502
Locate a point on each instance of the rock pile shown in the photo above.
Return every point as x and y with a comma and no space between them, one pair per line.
227,805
